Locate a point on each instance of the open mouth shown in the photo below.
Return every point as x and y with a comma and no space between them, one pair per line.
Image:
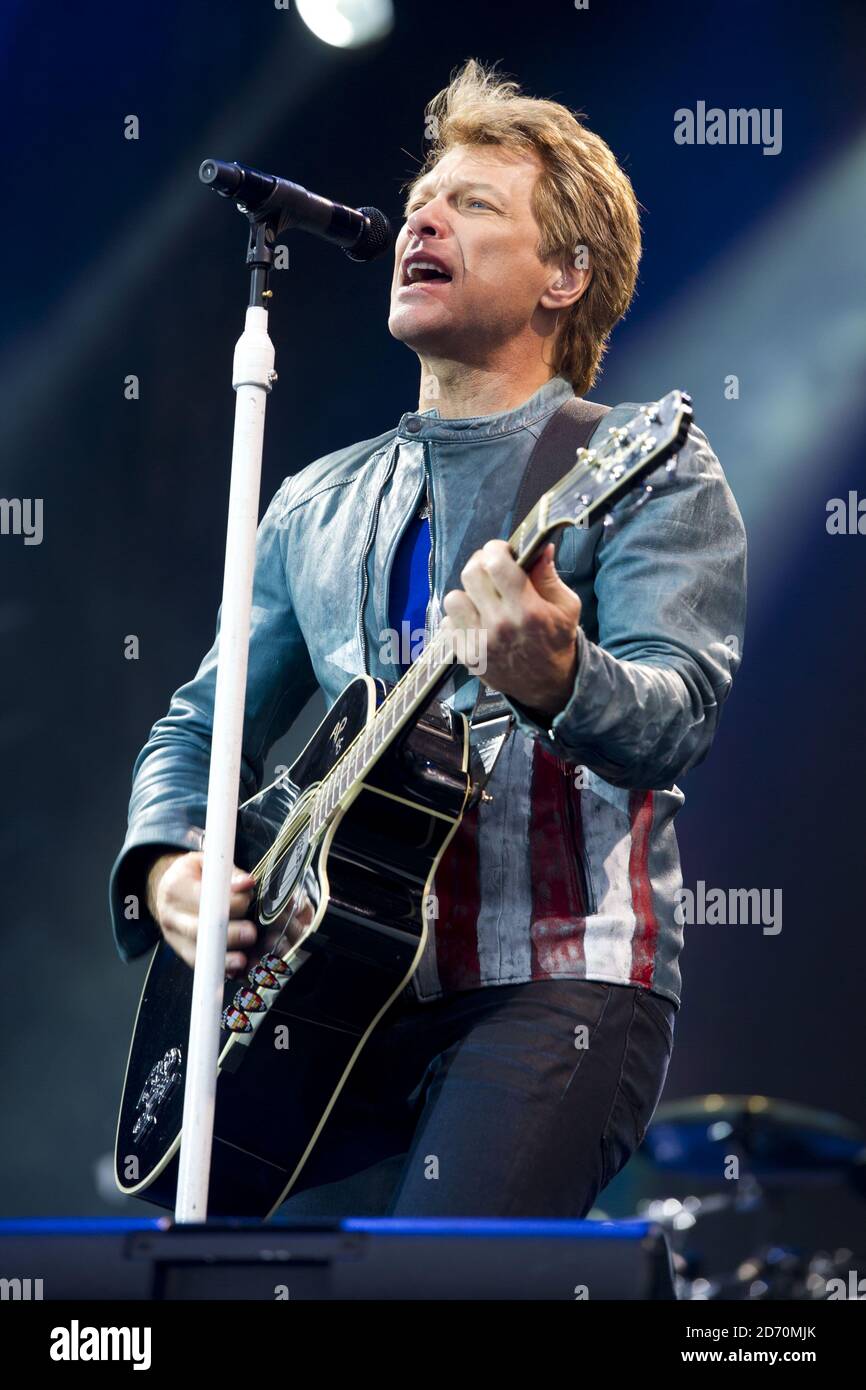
423,273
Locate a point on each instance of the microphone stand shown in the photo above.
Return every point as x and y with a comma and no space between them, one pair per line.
253,376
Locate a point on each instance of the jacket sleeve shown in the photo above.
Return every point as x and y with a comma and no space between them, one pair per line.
170,777
669,581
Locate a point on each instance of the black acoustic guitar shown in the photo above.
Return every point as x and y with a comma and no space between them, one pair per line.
343,848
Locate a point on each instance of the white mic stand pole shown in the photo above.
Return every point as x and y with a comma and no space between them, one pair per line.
252,378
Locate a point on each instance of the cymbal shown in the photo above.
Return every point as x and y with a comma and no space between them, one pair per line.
774,1139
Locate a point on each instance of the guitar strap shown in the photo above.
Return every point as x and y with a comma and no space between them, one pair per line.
568,429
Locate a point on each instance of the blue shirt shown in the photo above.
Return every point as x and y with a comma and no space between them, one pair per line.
409,589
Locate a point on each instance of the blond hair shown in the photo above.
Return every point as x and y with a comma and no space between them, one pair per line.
582,198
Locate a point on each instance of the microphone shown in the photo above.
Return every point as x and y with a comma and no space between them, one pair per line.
363,233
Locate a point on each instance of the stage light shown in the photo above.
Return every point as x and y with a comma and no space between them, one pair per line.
347,23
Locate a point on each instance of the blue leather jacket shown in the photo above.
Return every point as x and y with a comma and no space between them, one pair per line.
661,636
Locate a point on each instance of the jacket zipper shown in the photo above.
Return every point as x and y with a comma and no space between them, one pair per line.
431,562
365,556
580,860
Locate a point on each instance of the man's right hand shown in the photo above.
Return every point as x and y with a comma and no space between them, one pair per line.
173,897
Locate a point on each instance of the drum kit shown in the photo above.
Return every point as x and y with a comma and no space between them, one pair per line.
764,1151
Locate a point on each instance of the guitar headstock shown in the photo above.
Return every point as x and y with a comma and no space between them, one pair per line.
604,474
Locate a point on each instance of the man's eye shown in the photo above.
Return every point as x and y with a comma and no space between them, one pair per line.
413,207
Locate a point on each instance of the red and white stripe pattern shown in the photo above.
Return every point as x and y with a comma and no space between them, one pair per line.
511,889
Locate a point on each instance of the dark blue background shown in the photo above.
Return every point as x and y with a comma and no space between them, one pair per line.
117,261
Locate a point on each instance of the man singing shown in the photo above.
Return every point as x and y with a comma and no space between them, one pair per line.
520,1069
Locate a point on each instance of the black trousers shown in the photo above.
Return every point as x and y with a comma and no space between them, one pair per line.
513,1100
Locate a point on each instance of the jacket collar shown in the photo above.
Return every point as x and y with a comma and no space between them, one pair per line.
428,424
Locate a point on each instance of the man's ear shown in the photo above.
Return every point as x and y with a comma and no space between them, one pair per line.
569,283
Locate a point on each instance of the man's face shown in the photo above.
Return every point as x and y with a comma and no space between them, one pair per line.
470,216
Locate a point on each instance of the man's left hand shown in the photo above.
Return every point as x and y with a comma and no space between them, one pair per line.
529,619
